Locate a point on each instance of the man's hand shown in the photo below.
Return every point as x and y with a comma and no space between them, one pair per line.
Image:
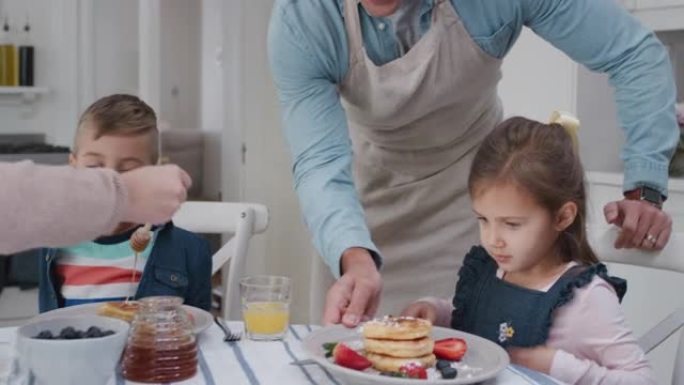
643,225
355,296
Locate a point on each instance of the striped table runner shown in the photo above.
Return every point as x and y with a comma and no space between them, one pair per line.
268,363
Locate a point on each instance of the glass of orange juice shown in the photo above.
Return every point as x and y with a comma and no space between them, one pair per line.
265,306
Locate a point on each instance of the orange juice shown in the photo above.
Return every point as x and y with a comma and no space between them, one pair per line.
266,318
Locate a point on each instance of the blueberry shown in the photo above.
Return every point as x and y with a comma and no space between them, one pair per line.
45,335
68,333
441,364
93,332
449,373
107,333
67,330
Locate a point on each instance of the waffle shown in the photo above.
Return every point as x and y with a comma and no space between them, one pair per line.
121,310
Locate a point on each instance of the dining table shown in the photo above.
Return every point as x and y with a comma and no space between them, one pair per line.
250,362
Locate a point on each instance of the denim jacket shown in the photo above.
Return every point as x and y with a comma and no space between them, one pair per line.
179,265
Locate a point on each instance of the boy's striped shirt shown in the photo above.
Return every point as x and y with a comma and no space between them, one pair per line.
100,270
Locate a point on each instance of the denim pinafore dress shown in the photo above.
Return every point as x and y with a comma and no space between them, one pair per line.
511,315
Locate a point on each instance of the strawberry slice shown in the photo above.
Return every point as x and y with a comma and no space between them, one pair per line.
452,349
345,356
413,370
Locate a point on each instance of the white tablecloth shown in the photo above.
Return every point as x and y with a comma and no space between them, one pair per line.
266,363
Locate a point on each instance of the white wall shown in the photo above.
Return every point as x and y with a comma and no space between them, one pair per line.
180,63
601,138
115,47
211,95
252,113
537,79
674,41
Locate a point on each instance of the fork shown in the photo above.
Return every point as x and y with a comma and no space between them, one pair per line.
229,335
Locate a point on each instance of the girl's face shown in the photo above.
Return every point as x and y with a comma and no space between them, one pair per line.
514,229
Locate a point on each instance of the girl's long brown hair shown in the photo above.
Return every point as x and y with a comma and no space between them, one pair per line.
541,159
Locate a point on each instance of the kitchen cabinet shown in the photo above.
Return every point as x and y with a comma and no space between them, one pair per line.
27,94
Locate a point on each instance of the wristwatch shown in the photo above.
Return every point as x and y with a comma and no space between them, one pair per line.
645,193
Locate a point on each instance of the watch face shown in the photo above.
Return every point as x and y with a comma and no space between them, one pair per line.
651,195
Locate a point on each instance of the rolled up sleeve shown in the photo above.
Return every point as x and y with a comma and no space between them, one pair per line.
316,130
606,38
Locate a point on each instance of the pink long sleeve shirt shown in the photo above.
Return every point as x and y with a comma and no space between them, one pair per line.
56,205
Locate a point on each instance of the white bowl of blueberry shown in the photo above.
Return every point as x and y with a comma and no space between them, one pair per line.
72,350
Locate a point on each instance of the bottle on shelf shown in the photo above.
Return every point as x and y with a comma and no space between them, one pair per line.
25,57
8,57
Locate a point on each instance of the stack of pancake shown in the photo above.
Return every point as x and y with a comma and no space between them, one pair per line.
392,342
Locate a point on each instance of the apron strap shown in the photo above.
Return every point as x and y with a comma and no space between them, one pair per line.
354,36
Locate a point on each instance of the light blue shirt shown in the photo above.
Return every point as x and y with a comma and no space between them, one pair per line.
308,54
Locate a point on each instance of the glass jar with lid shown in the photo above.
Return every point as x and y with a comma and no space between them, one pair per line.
161,345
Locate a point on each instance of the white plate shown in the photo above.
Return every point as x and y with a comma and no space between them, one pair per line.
483,360
202,319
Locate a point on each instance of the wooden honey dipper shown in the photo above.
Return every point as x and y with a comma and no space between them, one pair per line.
138,241
141,238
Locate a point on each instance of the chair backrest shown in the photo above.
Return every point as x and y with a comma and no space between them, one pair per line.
237,222
602,239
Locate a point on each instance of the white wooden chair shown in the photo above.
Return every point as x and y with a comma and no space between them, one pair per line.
237,222
602,238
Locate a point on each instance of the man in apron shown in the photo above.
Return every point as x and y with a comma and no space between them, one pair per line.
396,96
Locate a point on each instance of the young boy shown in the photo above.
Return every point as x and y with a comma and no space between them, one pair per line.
119,132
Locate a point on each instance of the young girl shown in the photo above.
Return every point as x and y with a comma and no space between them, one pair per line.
534,285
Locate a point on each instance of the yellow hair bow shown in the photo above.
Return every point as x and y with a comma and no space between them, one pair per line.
570,123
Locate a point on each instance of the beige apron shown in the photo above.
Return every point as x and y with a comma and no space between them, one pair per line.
415,124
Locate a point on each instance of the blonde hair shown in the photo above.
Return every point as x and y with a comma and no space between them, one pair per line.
122,115
542,159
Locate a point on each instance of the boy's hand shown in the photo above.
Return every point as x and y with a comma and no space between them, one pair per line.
154,193
538,358
421,309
